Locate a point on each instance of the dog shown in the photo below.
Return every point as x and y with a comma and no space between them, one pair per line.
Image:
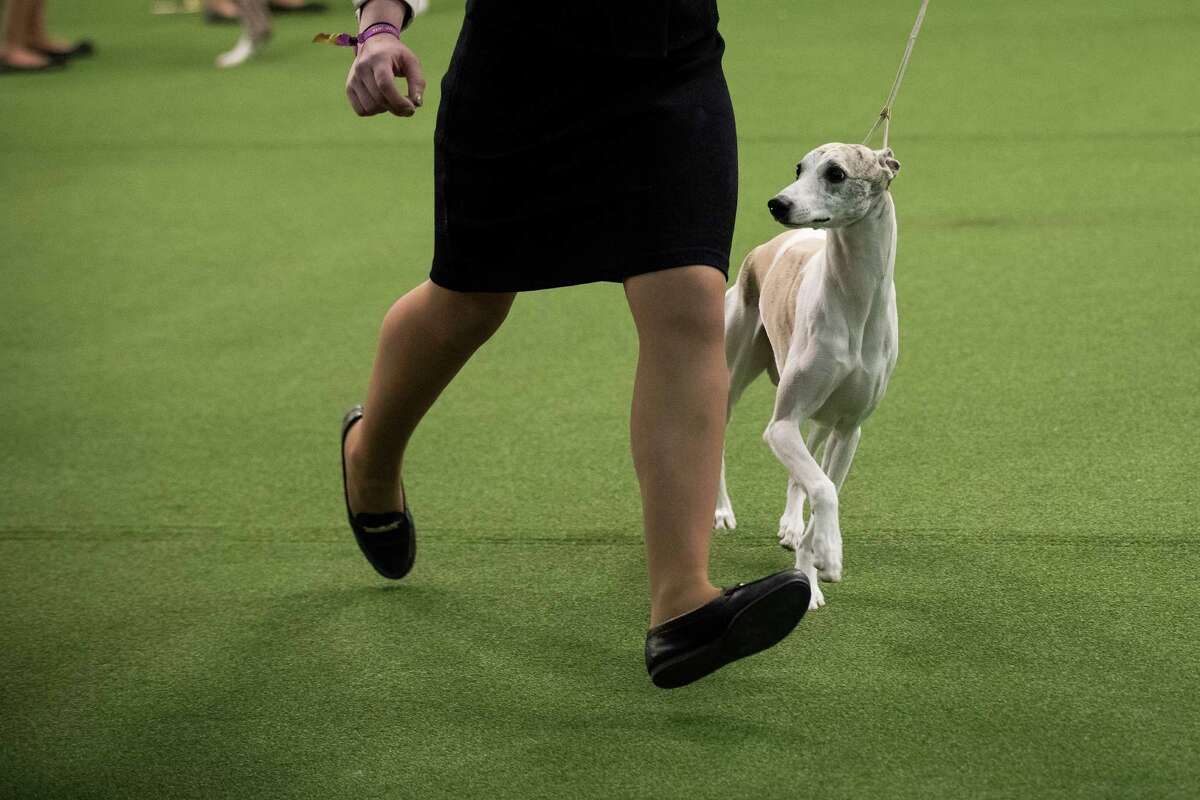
815,308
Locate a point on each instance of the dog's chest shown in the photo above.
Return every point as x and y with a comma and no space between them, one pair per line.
864,365
854,398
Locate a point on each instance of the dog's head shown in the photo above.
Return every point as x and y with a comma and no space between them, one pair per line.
836,185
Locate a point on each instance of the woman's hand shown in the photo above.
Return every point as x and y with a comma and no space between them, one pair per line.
371,84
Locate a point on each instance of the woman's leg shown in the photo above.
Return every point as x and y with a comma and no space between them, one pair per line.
18,24
677,427
36,33
426,338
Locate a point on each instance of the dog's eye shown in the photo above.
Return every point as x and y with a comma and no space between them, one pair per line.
799,167
835,174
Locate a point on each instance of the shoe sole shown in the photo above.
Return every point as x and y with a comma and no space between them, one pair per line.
760,625
348,421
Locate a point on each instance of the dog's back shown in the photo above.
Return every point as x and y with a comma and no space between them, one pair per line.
770,279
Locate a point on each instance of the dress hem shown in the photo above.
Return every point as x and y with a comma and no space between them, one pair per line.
656,262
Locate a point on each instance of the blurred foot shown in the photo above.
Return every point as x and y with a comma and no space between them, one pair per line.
245,49
22,59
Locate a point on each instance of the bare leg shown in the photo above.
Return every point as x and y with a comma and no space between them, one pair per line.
18,24
677,425
426,338
38,36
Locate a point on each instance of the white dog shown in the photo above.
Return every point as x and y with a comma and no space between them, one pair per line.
817,311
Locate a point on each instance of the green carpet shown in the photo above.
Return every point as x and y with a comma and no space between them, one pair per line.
195,264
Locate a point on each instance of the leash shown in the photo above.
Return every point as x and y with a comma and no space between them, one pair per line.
885,116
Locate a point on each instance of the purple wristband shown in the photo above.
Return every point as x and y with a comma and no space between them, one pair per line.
375,30
346,40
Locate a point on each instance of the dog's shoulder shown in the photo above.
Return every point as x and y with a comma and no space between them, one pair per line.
784,257
791,249
782,274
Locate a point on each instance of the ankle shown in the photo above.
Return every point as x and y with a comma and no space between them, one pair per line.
374,486
673,600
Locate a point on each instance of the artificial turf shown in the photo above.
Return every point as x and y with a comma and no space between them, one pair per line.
195,264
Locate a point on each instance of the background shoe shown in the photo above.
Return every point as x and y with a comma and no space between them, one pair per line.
15,69
743,620
84,47
388,540
303,8
217,18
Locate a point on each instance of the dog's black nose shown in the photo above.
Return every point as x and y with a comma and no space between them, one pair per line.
779,207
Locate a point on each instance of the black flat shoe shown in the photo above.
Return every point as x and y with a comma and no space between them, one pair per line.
14,69
388,540
84,47
217,18
744,620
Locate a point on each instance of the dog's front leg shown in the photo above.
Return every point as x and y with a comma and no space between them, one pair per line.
827,544
801,393
793,516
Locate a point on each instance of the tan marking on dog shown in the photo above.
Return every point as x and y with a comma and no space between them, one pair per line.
774,270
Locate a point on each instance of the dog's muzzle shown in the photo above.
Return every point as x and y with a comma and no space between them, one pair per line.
780,207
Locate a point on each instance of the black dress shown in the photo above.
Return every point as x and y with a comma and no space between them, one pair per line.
581,141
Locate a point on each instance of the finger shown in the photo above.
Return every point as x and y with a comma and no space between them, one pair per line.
352,96
366,104
397,103
368,90
415,77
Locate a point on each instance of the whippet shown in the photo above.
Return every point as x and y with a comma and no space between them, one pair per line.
816,309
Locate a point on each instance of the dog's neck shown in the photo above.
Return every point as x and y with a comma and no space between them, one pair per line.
860,258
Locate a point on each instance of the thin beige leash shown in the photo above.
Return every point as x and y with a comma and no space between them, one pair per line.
886,114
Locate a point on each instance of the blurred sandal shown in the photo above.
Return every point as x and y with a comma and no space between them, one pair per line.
84,47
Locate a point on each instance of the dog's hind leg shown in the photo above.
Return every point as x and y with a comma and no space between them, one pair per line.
827,549
747,354
795,499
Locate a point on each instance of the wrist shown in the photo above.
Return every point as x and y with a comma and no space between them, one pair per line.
373,30
396,12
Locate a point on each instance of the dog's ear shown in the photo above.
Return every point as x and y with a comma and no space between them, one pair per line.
888,161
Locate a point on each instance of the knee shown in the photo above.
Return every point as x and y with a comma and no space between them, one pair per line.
449,317
679,305
683,329
777,432
476,318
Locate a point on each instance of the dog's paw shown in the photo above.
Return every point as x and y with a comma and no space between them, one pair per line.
804,563
724,518
817,598
827,556
790,537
